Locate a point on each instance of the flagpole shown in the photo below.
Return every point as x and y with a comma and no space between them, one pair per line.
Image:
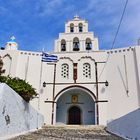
49,59
53,93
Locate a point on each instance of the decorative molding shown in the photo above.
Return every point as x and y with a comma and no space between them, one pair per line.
7,55
66,58
120,50
75,86
85,57
30,53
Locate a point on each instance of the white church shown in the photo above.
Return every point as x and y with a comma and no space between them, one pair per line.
85,86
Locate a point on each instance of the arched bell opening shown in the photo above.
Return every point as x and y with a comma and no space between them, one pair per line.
80,27
76,44
63,45
71,27
88,44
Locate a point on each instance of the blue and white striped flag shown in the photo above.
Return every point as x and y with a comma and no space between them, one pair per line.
49,57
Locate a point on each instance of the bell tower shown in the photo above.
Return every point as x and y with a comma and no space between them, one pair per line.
76,37
11,45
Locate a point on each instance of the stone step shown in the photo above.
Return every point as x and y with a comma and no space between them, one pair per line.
72,132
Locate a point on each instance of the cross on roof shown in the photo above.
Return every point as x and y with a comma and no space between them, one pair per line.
12,38
76,17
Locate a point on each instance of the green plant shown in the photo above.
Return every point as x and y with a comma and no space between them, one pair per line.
3,79
24,89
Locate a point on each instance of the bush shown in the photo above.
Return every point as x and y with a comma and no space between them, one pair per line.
25,90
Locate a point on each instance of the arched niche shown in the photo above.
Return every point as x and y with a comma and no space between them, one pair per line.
76,44
63,45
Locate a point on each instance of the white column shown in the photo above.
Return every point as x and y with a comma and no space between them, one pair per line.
95,44
76,29
71,45
81,45
84,46
54,120
59,46
68,46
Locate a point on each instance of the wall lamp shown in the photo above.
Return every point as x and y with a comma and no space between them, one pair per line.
106,83
44,84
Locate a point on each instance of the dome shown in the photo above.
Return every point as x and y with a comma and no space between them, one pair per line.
11,44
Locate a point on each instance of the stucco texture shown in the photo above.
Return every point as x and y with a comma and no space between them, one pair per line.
16,115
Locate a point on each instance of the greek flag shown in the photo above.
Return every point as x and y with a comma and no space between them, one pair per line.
48,57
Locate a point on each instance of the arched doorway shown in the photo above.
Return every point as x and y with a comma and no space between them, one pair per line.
75,105
74,115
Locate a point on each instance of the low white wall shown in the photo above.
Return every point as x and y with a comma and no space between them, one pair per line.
127,126
16,115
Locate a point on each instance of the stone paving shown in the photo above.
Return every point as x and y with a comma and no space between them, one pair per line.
69,133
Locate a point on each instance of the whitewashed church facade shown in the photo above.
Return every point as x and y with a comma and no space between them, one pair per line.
86,85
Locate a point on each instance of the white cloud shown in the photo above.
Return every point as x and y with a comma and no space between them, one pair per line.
103,17
47,7
107,16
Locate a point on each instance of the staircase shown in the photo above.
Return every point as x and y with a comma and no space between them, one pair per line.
71,132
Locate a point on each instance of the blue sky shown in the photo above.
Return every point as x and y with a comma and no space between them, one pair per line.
37,23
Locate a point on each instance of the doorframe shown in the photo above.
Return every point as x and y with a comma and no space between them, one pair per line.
81,115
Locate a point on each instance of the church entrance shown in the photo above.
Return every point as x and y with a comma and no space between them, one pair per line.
75,106
74,115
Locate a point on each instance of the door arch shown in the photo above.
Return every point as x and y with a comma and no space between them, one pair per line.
86,102
74,115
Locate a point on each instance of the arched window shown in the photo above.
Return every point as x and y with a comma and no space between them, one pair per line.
63,45
71,27
86,70
65,71
80,27
88,44
75,44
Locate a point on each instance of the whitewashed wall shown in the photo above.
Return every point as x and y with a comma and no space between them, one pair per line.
137,63
123,107
10,65
127,126
16,115
121,74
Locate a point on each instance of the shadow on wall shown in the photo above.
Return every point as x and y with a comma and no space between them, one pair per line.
127,126
16,115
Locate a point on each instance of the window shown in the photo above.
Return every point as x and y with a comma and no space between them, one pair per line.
63,45
65,71
71,27
86,70
88,44
80,27
75,44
